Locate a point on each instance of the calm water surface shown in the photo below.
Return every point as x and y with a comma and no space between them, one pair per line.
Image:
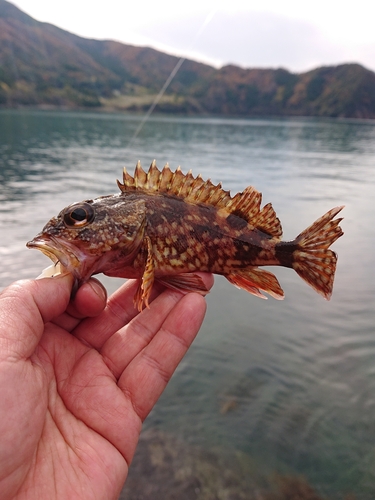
292,383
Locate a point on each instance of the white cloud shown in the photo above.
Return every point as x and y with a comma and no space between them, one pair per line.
292,34
250,39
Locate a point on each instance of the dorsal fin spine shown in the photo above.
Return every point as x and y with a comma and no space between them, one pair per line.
140,176
188,184
153,177
195,190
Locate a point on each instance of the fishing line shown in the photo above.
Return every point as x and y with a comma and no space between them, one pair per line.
171,76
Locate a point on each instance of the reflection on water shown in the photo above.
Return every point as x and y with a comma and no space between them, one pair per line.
291,384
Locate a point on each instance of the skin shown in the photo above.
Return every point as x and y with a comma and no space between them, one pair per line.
78,378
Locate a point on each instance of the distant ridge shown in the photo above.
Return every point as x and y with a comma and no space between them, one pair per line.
42,65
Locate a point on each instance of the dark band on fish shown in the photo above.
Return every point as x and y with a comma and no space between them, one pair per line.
284,252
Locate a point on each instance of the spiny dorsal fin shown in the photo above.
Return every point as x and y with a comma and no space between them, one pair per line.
186,186
195,190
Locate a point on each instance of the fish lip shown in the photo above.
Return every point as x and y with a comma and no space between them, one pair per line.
58,251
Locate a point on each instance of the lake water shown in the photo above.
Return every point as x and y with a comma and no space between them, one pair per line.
290,384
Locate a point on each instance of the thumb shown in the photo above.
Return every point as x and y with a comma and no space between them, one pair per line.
25,306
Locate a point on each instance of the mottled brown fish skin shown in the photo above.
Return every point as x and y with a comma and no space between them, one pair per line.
196,238
188,238
165,226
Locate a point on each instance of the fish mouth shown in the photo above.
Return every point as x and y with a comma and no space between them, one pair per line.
68,255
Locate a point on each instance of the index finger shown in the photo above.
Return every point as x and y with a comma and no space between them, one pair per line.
119,311
147,375
89,301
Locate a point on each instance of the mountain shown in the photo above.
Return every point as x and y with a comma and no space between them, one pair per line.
347,90
42,65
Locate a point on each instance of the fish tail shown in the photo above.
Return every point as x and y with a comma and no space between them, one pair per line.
312,259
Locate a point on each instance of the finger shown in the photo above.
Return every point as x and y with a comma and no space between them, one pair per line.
89,301
125,344
147,375
25,306
120,311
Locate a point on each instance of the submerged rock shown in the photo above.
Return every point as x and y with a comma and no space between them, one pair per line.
168,468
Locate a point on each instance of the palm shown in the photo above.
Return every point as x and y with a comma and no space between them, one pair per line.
76,388
80,398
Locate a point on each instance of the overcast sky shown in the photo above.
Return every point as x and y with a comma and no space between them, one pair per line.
297,35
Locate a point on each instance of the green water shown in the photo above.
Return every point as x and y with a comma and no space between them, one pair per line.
291,384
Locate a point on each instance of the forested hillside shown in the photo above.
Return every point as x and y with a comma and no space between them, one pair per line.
42,65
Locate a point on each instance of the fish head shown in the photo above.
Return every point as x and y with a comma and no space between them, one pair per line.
91,236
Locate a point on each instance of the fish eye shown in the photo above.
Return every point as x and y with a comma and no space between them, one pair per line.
78,215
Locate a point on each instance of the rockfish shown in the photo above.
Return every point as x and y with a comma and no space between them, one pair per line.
166,225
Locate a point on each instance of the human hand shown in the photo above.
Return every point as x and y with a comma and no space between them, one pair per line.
77,379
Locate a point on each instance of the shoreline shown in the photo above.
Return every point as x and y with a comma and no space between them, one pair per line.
157,112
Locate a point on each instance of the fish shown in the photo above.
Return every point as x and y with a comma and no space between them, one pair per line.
165,226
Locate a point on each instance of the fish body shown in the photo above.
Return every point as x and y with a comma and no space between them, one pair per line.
166,226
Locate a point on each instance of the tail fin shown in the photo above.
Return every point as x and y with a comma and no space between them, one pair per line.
312,259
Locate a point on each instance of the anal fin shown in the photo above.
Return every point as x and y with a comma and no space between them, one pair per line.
184,282
255,280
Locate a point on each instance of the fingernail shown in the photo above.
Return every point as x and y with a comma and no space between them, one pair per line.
98,289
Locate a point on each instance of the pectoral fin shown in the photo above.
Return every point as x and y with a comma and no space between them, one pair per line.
184,282
253,280
145,285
